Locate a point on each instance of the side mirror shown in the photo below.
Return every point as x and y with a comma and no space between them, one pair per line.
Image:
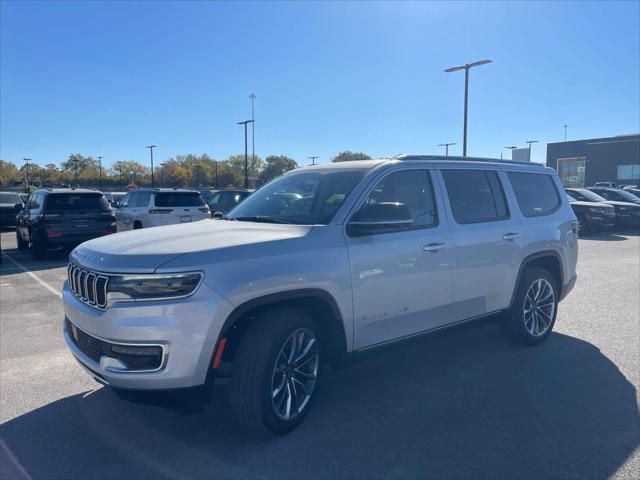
18,206
380,217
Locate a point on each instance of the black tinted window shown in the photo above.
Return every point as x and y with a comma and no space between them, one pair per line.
413,189
11,198
475,195
179,199
536,193
76,201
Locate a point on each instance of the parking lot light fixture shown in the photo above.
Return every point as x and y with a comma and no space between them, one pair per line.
512,148
565,131
313,159
162,174
530,142
246,160
466,69
100,171
446,147
151,147
26,171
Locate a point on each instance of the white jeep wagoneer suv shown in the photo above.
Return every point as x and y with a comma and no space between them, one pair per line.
323,261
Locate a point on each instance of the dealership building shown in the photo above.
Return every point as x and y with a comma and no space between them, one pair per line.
581,163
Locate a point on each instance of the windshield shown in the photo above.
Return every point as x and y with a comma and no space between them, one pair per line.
304,198
76,201
628,195
179,199
590,196
11,198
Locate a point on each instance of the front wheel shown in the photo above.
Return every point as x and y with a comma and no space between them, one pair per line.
22,244
276,371
533,314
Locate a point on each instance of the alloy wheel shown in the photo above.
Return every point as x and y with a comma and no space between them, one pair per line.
539,307
295,374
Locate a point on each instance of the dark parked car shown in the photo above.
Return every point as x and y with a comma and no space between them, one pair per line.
627,213
223,201
616,194
10,206
593,217
62,218
635,191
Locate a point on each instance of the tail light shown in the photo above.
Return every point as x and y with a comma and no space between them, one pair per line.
160,210
53,234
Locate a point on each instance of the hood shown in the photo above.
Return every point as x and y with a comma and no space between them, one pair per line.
616,203
591,204
144,250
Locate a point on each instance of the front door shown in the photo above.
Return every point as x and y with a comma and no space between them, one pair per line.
401,278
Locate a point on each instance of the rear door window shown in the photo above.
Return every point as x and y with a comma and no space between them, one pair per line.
179,199
64,202
536,193
143,199
9,198
475,196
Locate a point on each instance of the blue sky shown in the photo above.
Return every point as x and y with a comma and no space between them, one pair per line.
109,78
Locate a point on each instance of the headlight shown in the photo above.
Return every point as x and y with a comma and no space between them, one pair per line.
596,210
159,286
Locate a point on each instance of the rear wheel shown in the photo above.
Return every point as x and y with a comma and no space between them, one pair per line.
137,225
533,314
22,244
276,371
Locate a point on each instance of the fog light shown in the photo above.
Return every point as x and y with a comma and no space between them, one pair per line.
131,350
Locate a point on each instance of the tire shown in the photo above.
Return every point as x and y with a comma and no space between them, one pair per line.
22,244
261,367
532,328
137,225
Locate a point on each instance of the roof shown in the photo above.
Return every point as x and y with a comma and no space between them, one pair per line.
370,164
68,190
165,190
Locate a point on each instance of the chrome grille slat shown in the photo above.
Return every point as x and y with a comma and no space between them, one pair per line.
88,286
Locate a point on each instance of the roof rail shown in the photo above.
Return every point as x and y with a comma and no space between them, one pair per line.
440,158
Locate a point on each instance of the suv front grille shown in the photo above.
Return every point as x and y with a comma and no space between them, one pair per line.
88,286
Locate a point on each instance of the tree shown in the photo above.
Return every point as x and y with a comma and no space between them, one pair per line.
348,156
276,165
236,163
76,164
8,172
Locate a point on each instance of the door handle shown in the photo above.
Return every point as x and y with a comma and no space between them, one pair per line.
511,236
434,247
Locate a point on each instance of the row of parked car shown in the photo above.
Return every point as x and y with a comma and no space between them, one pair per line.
55,219
604,208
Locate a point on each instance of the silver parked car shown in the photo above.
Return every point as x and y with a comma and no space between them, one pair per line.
323,261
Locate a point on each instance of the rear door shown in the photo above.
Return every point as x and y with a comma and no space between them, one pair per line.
124,217
401,279
488,240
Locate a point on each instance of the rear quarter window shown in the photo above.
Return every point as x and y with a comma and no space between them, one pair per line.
536,193
179,199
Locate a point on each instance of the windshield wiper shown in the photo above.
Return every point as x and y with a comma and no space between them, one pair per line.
261,219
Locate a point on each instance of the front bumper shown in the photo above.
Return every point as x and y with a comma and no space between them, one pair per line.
186,329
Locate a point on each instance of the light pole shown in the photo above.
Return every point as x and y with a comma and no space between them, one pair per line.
466,69
119,167
162,173
530,142
26,172
216,164
246,160
151,147
446,146
313,159
100,172
512,148
565,132
253,136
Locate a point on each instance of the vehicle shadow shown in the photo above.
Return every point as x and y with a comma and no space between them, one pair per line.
604,236
462,405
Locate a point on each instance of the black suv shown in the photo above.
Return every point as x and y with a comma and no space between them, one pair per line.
616,194
627,213
223,201
61,218
10,205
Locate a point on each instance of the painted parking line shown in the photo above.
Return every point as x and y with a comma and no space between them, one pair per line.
55,291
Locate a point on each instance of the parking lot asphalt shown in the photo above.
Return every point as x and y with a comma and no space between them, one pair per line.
461,404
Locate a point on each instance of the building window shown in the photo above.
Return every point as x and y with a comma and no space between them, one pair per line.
628,172
571,171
